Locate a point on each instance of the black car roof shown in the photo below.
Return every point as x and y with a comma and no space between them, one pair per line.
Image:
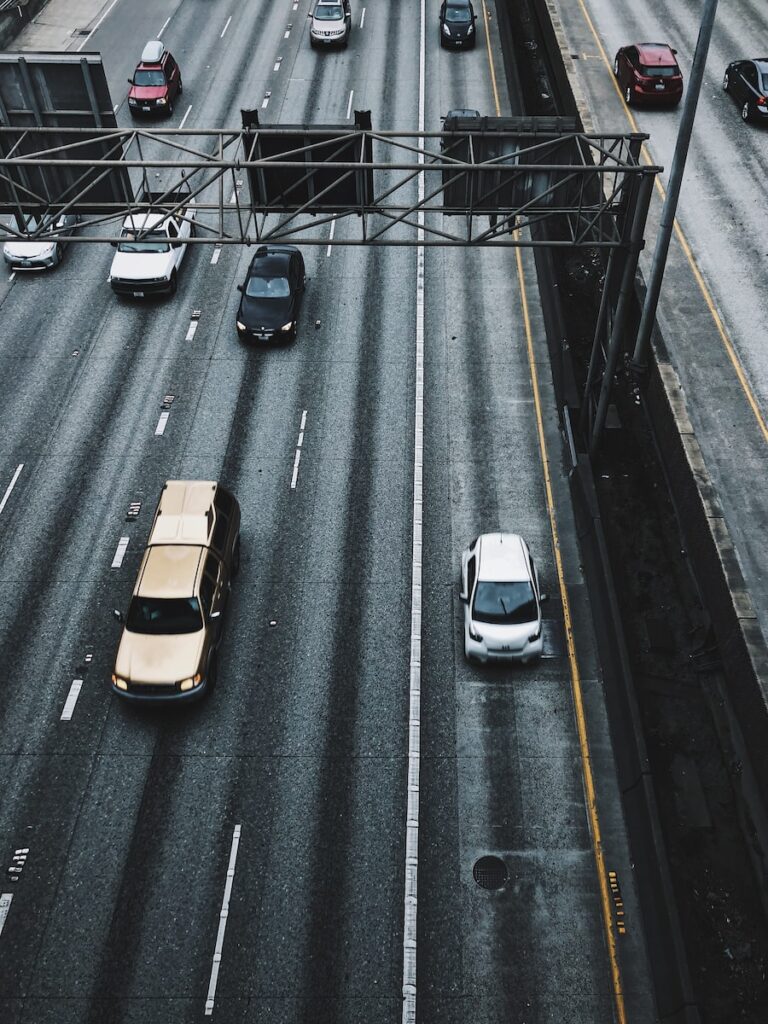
272,258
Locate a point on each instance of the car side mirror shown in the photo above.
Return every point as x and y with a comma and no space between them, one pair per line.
240,288
175,245
675,52
118,615
113,244
310,14
463,596
543,598
214,615
130,81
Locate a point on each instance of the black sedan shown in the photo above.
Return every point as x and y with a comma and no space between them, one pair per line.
457,24
271,294
747,82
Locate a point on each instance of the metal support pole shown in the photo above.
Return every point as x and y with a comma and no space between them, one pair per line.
640,357
610,273
622,306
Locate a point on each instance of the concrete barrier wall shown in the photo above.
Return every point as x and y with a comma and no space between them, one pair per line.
14,20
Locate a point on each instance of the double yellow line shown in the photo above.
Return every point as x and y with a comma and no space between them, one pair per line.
578,696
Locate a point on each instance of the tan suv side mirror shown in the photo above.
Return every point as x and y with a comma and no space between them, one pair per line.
118,615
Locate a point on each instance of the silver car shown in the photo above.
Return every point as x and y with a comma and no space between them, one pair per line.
502,599
39,253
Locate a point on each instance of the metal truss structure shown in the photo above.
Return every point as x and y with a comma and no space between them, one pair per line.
493,185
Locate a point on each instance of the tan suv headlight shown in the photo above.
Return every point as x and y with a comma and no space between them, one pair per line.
191,683
119,683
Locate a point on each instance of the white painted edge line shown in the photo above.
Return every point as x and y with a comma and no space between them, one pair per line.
165,26
184,119
225,27
349,105
11,485
122,547
6,899
411,894
362,18
101,19
69,704
330,236
161,424
215,256
191,330
222,921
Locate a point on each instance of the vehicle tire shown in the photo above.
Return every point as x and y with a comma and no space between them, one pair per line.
746,113
236,557
616,67
173,285
181,87
59,253
726,82
628,96
170,109
213,671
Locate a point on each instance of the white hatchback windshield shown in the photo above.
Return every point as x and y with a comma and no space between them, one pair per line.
504,603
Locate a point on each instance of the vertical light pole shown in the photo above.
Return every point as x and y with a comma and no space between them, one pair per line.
640,357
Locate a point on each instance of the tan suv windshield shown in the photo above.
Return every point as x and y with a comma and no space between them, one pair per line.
160,616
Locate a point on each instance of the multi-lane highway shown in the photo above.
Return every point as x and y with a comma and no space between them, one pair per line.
246,857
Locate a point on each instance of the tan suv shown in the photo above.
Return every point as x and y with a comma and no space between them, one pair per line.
174,622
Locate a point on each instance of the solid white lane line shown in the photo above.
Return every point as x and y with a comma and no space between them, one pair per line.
165,26
101,19
333,228
11,485
6,899
122,547
349,105
215,256
183,120
411,896
362,18
225,27
69,704
161,423
222,922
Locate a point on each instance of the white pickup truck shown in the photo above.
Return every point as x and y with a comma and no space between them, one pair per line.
152,246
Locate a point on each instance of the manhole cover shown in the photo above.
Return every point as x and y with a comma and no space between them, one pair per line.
490,872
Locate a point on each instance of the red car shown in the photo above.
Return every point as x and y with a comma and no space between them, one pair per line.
156,81
649,73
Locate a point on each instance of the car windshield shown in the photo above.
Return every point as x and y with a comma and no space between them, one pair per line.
504,603
146,77
458,15
155,241
158,616
268,288
328,12
659,71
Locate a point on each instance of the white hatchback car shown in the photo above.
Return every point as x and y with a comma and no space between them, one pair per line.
502,599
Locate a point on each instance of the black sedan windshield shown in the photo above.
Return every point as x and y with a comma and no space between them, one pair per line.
457,15
268,288
504,603
162,616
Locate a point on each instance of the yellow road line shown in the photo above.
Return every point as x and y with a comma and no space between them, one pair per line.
706,295
578,698
486,19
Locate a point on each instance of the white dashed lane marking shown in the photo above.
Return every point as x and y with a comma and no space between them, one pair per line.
362,18
122,547
349,105
165,26
297,457
6,899
209,1002
11,485
225,27
215,256
161,424
330,236
183,120
69,704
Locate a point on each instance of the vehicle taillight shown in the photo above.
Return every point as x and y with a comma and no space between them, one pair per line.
761,101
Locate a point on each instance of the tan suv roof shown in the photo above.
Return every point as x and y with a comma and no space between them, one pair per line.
170,570
185,513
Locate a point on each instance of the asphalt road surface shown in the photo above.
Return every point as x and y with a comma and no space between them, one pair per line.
285,792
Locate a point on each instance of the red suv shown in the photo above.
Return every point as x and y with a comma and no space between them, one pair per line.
649,73
156,81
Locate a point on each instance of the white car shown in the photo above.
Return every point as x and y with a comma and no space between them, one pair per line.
502,599
39,253
331,23
152,247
